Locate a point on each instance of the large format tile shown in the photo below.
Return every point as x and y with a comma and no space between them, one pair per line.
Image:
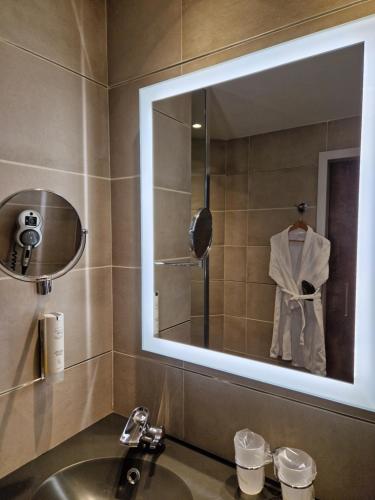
172,155
236,192
260,301
172,215
258,338
84,296
124,123
53,117
39,417
213,24
343,134
331,438
143,37
295,147
89,196
235,264
72,34
142,382
234,299
126,310
237,156
234,334
284,187
126,242
262,224
257,264
174,287
354,10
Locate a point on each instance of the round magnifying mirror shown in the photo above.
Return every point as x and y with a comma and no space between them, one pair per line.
200,233
41,235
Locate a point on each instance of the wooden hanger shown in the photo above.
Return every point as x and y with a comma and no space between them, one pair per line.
299,224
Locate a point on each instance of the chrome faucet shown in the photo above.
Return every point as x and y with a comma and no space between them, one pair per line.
138,431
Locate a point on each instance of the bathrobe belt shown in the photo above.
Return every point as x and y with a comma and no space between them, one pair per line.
298,299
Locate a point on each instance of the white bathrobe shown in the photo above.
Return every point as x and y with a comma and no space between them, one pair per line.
298,331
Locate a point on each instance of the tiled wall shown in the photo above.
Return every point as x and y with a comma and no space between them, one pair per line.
266,176
151,41
54,135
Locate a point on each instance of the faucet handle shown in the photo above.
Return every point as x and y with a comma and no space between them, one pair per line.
135,427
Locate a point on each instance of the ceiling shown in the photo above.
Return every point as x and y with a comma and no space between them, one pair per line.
322,88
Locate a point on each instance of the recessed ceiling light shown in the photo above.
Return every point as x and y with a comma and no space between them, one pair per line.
197,125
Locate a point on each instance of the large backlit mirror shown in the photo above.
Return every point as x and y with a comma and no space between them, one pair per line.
272,147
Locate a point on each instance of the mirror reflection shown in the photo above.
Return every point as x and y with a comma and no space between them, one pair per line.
275,157
40,233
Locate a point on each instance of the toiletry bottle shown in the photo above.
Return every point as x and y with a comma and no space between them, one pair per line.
51,332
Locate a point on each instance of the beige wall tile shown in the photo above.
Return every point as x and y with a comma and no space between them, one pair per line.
157,386
177,107
217,156
39,417
197,192
218,226
234,299
217,192
179,333
216,304
54,118
236,192
197,331
198,156
237,156
236,228
260,301
351,12
125,222
216,333
234,334
197,298
77,40
343,134
262,224
257,264
174,287
89,196
127,310
124,123
235,264
284,187
296,147
88,322
172,155
142,37
217,263
226,23
258,338
172,215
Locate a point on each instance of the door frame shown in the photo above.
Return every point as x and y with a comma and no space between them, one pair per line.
322,199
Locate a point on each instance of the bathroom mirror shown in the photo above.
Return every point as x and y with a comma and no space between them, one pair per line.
277,145
41,237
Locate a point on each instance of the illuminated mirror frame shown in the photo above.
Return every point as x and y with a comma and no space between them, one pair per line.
362,393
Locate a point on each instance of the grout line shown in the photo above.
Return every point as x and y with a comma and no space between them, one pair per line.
125,267
51,169
54,63
172,190
128,177
223,49
39,379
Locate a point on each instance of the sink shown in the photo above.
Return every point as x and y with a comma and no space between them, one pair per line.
114,478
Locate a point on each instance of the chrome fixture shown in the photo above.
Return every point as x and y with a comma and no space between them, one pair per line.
138,431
